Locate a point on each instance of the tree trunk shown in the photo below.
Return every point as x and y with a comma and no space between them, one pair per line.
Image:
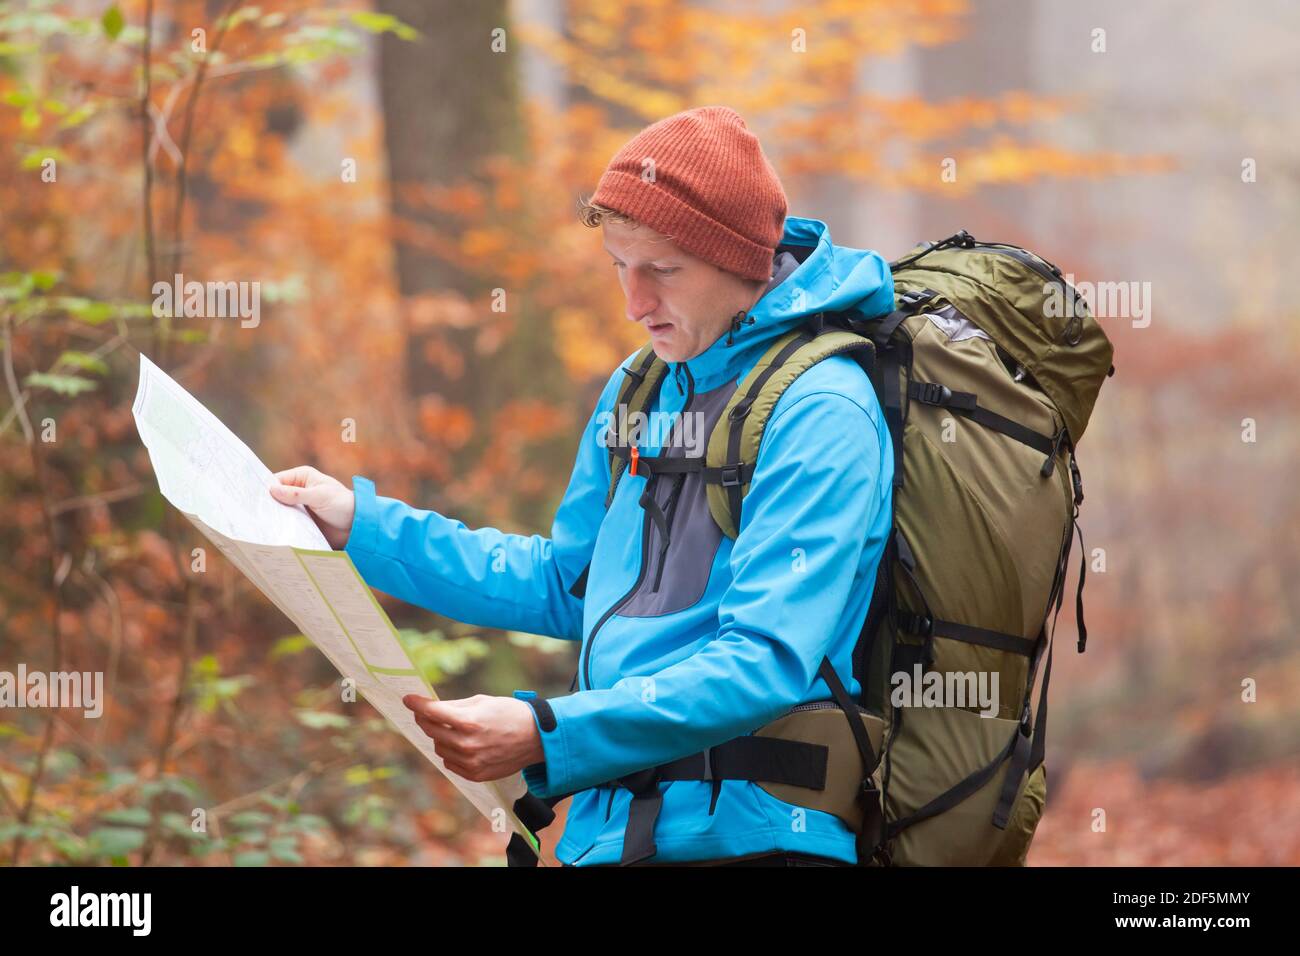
448,101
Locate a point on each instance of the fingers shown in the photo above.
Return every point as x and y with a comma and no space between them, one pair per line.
438,711
447,740
450,746
315,496
302,476
457,736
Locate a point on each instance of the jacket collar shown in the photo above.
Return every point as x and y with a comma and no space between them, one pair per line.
829,278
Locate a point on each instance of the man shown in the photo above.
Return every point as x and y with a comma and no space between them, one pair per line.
689,638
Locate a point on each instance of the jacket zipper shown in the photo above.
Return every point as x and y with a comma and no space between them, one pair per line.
645,559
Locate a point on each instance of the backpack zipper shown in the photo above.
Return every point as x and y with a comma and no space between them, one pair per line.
821,705
1023,256
964,240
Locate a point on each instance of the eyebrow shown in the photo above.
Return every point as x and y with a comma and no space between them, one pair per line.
670,263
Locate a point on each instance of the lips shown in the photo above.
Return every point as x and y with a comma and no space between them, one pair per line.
660,328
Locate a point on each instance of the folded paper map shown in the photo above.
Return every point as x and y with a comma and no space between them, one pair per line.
217,482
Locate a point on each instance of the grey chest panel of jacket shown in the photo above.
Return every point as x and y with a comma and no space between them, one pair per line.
677,570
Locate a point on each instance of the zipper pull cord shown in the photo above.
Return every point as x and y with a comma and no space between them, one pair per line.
737,320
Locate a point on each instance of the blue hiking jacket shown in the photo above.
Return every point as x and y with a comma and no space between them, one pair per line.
690,640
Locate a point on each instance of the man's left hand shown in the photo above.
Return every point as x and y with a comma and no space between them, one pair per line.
480,738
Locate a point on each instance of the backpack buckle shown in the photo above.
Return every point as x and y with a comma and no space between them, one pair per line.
730,475
912,299
739,411
1077,479
932,393
918,624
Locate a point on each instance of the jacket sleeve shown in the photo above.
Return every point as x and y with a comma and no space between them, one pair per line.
815,494
487,577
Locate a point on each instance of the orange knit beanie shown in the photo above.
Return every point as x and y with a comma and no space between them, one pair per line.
700,178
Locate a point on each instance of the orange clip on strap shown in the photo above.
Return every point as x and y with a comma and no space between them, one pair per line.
635,456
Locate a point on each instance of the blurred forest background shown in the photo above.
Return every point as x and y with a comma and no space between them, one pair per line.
382,169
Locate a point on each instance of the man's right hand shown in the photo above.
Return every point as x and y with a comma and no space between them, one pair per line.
330,503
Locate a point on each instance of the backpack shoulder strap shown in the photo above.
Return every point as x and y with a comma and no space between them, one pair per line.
733,445
644,377
645,373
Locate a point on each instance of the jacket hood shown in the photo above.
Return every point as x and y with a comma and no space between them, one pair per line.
824,278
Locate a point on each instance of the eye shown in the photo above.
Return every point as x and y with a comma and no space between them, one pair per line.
665,270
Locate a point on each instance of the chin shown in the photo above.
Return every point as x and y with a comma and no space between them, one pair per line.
669,351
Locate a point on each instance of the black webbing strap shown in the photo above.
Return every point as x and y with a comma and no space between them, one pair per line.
726,475
872,833
760,759
769,759
1078,596
892,400
642,815
909,303
1026,737
863,648
850,709
579,589
880,335
966,405
659,464
950,798
536,813
924,626
1028,752
1039,748
889,362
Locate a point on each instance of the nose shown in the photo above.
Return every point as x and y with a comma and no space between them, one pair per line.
641,300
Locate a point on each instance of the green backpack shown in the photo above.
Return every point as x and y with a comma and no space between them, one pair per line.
987,372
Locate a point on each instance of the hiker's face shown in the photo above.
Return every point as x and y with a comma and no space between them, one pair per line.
685,303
